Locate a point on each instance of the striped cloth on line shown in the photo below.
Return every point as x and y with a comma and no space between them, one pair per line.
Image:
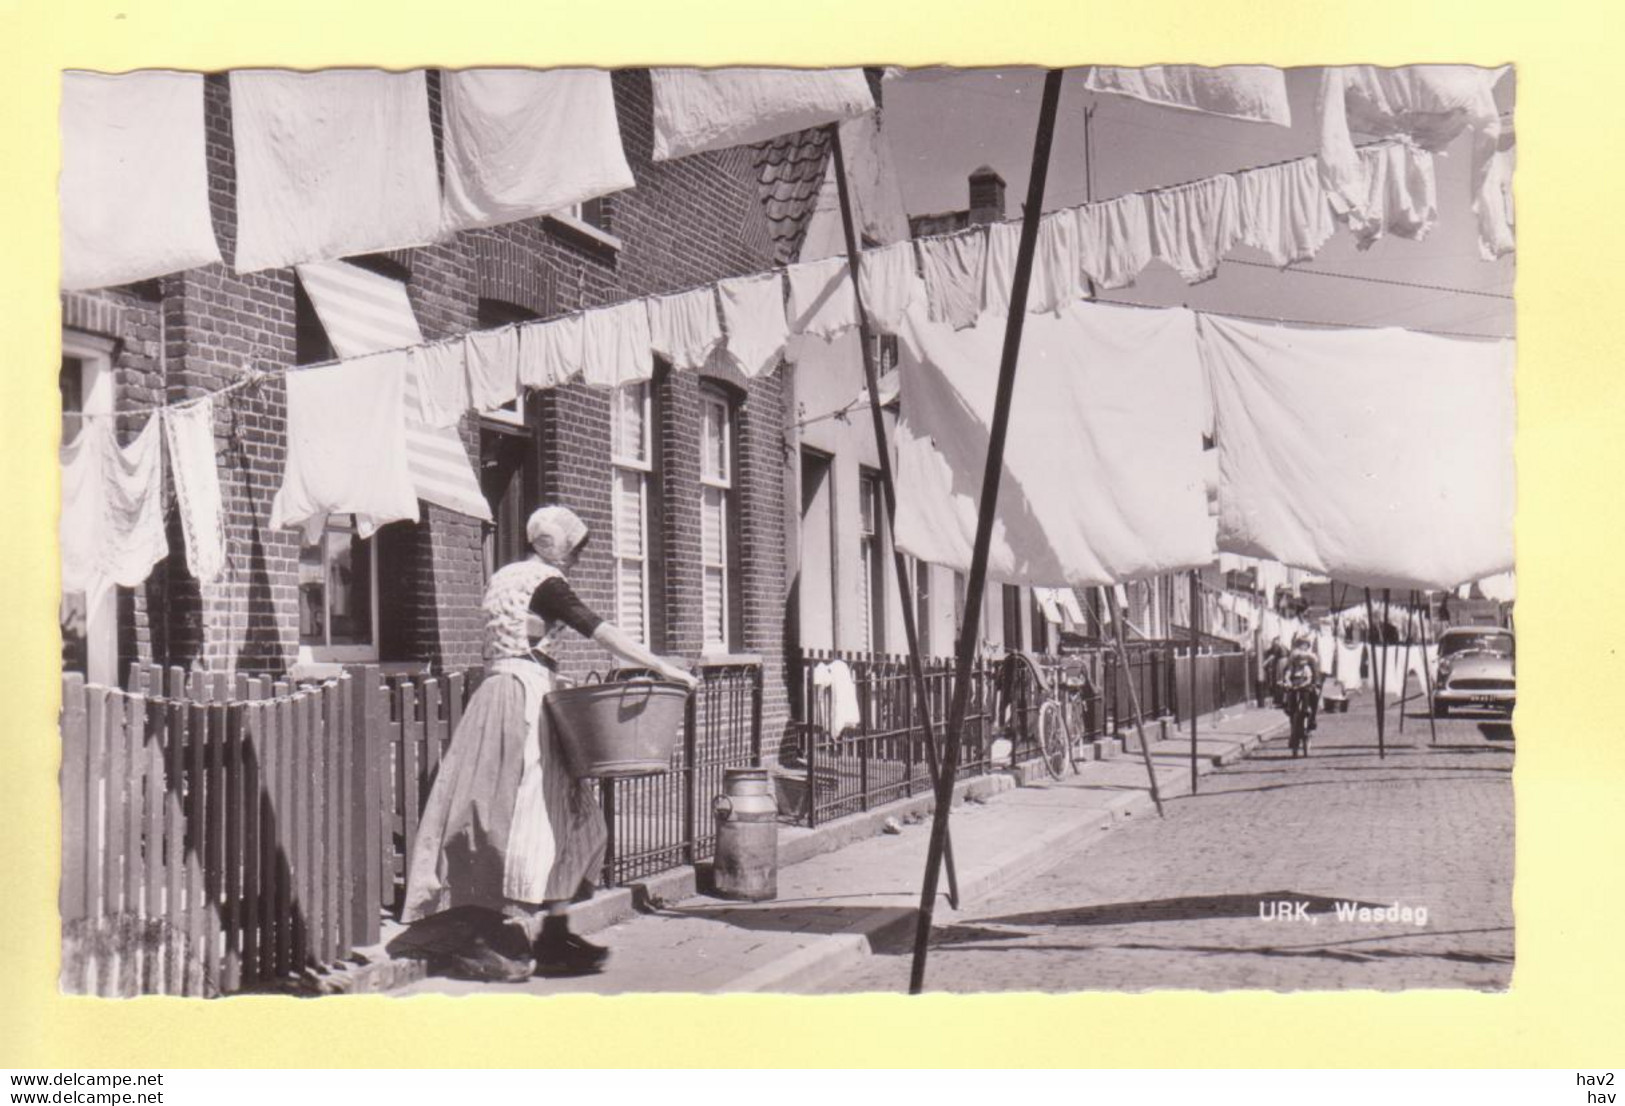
364,312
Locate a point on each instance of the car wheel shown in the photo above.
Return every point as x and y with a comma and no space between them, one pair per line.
1440,710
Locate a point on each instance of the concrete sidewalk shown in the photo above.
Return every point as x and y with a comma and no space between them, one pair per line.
846,887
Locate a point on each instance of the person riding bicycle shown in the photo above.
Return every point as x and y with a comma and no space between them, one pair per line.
1300,672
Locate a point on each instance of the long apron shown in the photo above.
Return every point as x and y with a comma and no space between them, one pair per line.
504,820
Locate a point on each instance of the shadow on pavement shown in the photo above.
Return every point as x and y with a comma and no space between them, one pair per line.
1253,904
1496,731
772,917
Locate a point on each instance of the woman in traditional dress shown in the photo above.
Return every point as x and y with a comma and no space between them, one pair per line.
506,828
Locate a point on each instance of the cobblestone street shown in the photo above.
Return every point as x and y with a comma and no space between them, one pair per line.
1177,903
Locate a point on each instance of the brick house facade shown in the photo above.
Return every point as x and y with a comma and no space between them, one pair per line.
686,223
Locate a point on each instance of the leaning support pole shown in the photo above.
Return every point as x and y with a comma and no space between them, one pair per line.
1134,696
871,377
1427,672
1377,671
991,473
1405,669
1195,643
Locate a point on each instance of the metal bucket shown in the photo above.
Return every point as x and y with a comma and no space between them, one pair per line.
618,729
747,858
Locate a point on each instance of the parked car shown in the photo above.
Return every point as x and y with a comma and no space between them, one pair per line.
1477,668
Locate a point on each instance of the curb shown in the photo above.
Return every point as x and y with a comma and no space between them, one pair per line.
830,955
376,971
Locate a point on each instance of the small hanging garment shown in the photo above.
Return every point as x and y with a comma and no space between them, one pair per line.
615,345
493,367
1194,225
1284,211
753,313
1401,196
135,183
821,299
189,433
442,382
550,353
685,328
1055,278
890,284
1114,240
953,268
112,526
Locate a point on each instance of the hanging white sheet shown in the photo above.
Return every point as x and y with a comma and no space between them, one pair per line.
347,446
1102,475
1253,92
112,525
1492,203
1377,457
331,164
525,142
711,109
134,184
189,433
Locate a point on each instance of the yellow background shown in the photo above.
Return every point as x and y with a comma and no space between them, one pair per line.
1567,1003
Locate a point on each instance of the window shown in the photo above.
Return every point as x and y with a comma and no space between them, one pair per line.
1040,623
1012,616
338,594
871,570
633,465
716,518
922,604
960,588
499,313
89,631
589,220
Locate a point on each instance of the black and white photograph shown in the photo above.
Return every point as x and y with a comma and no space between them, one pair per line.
802,531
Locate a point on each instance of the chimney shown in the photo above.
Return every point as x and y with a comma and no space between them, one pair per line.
986,196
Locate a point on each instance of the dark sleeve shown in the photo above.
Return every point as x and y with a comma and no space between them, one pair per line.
556,601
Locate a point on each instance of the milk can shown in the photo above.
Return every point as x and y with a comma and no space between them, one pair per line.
747,858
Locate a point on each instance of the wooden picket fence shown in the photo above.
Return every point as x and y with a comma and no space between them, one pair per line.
223,834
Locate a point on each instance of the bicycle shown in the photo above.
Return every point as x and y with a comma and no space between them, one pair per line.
1060,720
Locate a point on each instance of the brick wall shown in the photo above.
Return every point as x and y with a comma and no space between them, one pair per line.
685,224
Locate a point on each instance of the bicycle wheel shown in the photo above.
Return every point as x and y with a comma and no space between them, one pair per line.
1052,739
1076,732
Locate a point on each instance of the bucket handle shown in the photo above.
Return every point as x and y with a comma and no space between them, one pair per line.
722,807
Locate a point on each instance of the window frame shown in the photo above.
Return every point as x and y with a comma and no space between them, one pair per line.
713,398
94,355
645,468
871,560
327,652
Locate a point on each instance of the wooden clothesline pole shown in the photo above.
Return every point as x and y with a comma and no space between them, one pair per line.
871,377
1427,671
991,474
1119,638
1195,644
